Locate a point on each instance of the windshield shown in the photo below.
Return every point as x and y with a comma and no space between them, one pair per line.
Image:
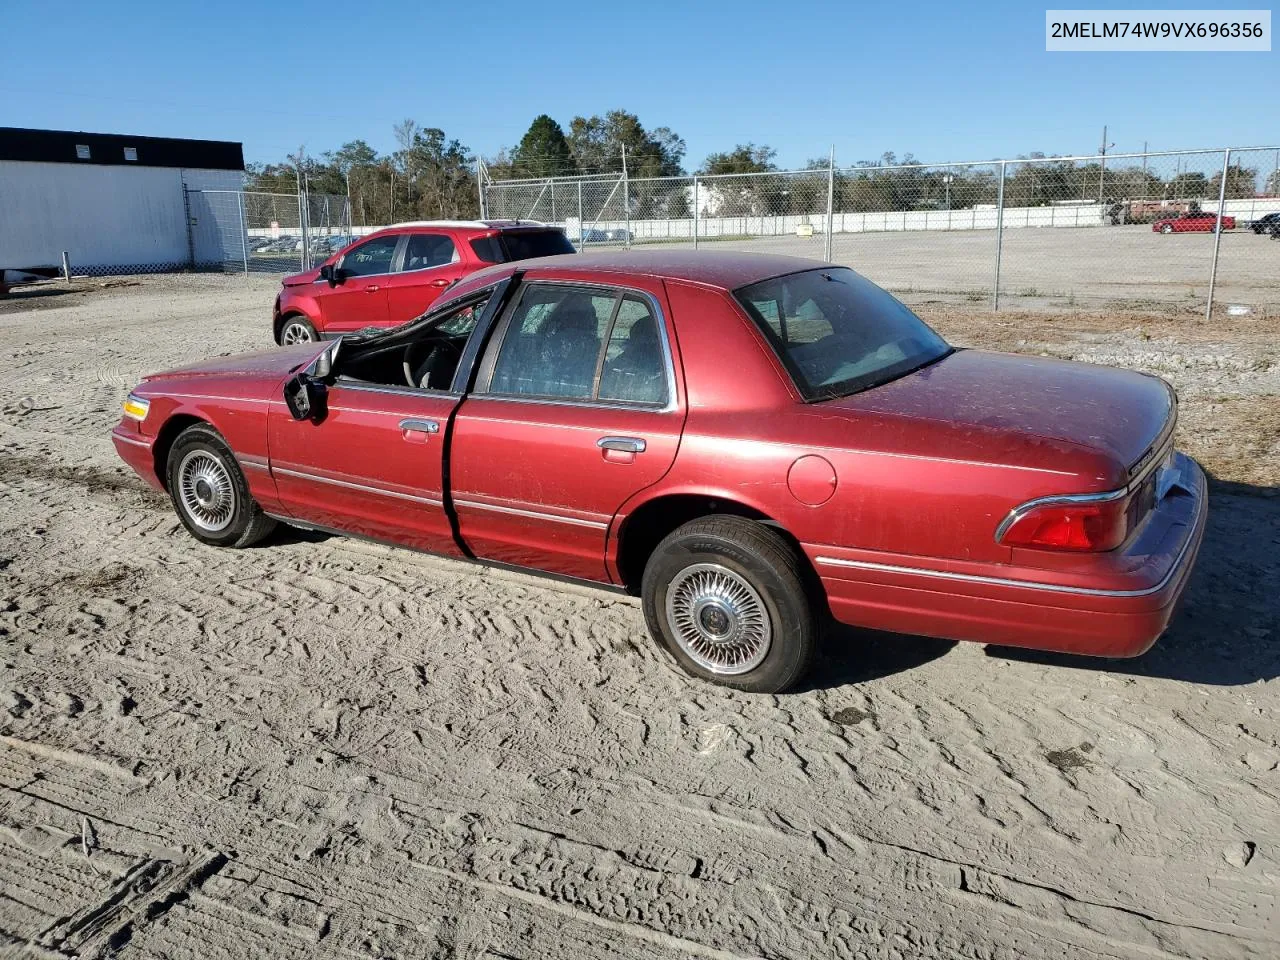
521,245
837,332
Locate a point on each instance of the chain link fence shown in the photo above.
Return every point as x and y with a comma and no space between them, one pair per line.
1120,231
250,232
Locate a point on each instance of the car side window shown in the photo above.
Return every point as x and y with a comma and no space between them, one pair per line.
371,257
426,250
634,370
424,356
552,347
582,344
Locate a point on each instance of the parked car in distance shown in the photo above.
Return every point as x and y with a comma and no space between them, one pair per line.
596,235
393,275
1265,224
282,244
748,442
1198,222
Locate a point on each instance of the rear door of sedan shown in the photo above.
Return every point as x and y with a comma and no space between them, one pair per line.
576,407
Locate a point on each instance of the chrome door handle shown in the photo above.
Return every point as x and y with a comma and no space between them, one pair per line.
411,427
621,444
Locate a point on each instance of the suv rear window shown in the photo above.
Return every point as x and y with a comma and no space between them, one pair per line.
521,245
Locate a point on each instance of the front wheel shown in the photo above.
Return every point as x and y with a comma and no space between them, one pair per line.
725,596
1166,229
296,329
209,491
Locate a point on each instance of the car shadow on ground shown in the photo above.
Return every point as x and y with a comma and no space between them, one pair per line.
849,655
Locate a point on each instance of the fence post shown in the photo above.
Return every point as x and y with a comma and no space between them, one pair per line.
1217,233
480,173
695,212
831,198
302,226
995,289
626,199
244,232
191,240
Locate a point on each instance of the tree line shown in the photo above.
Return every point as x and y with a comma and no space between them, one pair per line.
433,176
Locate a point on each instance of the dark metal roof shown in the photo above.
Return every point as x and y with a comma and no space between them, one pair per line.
70,146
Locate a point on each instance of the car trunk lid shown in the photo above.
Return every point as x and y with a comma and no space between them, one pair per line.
1118,413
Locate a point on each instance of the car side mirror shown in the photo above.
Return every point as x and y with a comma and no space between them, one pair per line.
306,398
332,273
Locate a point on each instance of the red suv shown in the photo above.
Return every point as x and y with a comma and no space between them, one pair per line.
394,275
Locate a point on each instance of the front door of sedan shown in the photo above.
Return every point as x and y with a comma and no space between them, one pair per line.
575,410
372,466
429,265
360,299
374,463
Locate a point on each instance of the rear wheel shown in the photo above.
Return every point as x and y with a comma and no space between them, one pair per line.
209,491
297,329
725,597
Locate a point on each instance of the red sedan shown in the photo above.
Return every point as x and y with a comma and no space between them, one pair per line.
395,274
1193,223
747,442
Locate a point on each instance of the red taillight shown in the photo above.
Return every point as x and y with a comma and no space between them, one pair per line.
1067,525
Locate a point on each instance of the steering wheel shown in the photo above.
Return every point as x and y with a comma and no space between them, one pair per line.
417,356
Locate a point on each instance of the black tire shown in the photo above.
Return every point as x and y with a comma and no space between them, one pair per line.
735,550
294,329
1166,229
198,452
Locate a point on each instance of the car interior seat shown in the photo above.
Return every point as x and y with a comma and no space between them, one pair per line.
637,372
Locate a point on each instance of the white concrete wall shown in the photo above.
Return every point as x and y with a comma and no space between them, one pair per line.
104,216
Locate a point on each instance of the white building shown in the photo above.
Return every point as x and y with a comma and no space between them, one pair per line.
113,203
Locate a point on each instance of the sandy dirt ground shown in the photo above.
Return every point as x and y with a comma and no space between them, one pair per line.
322,748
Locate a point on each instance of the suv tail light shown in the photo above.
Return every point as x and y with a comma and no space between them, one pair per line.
1094,525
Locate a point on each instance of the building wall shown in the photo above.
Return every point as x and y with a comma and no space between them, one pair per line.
108,218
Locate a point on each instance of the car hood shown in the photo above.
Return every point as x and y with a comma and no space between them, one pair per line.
1116,413
261,364
301,279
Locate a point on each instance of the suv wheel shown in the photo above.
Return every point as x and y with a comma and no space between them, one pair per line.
297,329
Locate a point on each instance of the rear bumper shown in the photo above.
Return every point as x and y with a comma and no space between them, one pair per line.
1118,611
135,449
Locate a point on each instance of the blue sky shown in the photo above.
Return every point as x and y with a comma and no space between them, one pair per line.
938,80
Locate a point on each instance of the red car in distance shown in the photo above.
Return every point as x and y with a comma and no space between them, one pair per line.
747,442
393,275
1196,222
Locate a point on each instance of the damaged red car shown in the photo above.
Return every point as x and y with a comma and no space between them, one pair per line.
749,443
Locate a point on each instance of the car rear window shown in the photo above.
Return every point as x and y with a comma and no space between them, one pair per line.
837,332
521,245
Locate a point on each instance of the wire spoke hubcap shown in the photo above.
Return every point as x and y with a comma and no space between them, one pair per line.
718,619
295,333
206,491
